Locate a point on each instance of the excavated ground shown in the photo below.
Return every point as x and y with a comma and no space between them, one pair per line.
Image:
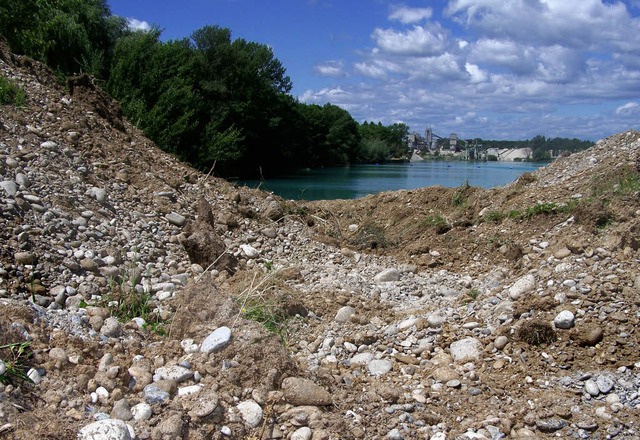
433,313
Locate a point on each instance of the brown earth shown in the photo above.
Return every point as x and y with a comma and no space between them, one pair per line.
585,204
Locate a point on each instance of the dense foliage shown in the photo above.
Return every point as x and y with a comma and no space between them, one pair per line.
208,99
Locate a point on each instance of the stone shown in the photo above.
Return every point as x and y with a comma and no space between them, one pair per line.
249,251
169,427
122,410
251,412
591,388
564,320
3,367
303,433
587,335
217,340
206,404
107,429
523,285
111,327
361,359
299,391
173,372
467,349
24,257
152,394
550,425
344,314
379,367
387,275
605,383
176,219
501,342
10,187
141,411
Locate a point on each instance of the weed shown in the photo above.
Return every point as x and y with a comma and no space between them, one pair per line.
536,332
10,93
459,197
473,293
538,209
438,222
14,367
494,216
370,236
267,302
626,180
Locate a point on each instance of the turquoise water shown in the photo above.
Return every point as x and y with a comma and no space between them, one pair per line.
359,180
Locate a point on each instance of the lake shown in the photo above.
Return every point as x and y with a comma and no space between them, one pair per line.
359,180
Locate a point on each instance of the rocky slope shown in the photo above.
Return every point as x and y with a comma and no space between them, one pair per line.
436,313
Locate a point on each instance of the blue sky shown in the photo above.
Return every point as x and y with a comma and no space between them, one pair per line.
494,69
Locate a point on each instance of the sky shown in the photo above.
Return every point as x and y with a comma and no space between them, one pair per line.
489,69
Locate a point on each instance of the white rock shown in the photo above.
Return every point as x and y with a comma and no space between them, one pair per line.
303,433
107,429
344,314
3,367
378,367
591,387
362,358
387,275
189,390
217,340
142,411
564,319
173,372
465,349
175,219
525,284
249,251
251,412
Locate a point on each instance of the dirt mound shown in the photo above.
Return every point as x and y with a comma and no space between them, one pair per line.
432,313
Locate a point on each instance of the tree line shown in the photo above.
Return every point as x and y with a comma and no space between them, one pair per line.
209,99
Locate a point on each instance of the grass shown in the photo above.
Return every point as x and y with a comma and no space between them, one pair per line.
264,301
11,94
13,357
438,222
459,198
626,180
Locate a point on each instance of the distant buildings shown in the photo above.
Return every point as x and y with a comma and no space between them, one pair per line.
432,144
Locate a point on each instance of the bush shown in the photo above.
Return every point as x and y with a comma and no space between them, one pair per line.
10,93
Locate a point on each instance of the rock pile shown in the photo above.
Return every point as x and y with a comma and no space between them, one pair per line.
424,340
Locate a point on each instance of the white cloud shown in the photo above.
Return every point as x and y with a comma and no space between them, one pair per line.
138,25
370,70
407,15
628,108
330,68
506,69
417,41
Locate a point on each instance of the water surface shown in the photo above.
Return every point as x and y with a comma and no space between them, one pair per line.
359,180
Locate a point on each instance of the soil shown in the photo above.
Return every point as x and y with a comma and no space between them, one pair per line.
585,204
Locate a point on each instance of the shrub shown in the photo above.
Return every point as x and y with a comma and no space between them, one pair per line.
10,93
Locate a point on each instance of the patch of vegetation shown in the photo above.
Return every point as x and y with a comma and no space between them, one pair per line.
268,301
536,332
460,197
13,356
473,293
438,222
11,94
370,236
626,180
494,216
